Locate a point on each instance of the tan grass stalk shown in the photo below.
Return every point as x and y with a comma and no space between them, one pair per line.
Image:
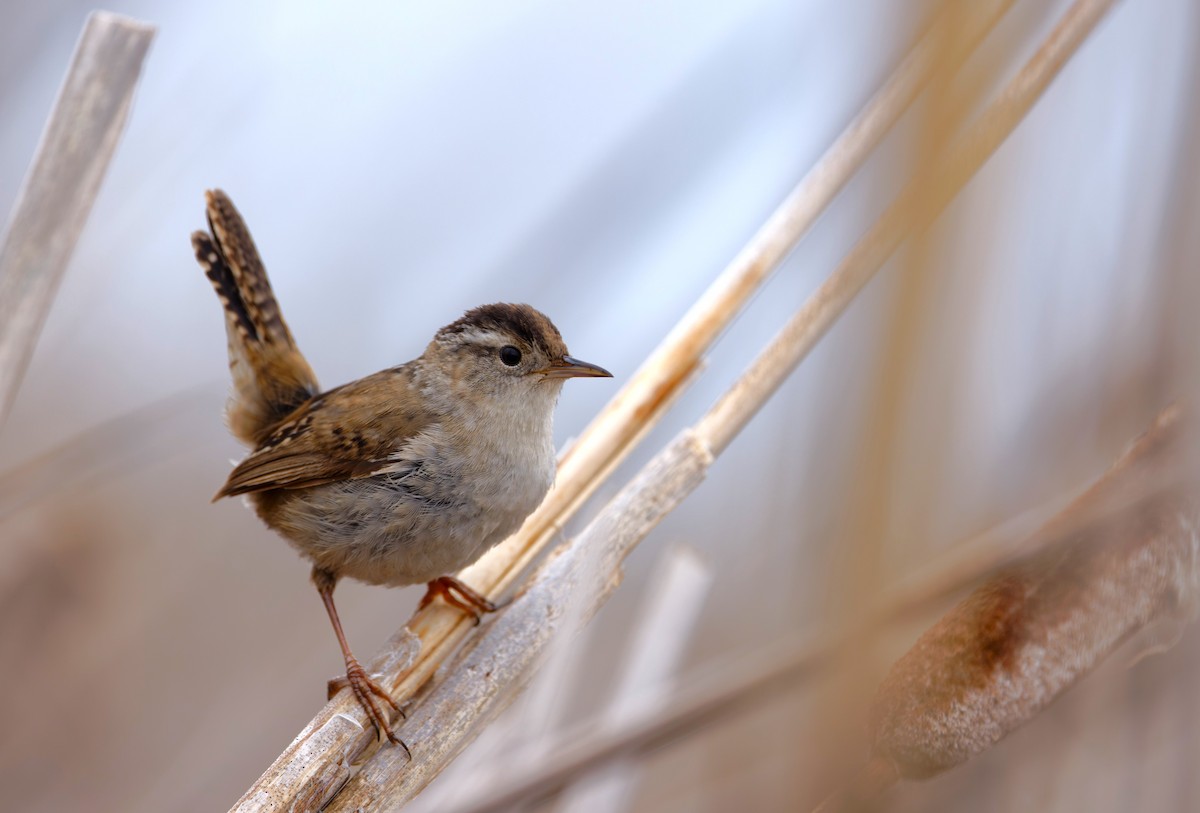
63,180
666,620
318,761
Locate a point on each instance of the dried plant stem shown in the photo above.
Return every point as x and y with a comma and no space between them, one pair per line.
665,623
318,761
870,520
497,663
60,188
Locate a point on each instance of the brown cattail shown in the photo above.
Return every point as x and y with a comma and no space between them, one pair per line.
1126,556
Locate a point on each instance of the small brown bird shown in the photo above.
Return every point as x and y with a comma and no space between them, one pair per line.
403,476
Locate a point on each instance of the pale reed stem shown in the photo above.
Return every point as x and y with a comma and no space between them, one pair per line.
61,185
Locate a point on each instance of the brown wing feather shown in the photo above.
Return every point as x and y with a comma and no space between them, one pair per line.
332,437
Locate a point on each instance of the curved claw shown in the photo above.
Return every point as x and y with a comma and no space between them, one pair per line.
366,689
336,684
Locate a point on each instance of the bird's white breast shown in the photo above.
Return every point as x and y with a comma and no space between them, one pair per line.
456,489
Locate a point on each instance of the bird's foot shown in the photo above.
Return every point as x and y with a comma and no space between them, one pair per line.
366,689
457,594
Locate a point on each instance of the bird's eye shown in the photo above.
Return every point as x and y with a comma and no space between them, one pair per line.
510,355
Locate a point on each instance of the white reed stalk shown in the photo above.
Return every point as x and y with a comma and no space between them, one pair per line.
63,180
672,608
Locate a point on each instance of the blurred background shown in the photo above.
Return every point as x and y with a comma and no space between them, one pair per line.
401,162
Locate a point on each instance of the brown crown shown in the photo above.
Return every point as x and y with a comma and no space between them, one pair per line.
527,324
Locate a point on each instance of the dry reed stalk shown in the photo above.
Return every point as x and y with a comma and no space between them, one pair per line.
868,512
665,624
63,180
585,571
318,761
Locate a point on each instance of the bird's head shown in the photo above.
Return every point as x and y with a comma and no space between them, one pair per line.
506,351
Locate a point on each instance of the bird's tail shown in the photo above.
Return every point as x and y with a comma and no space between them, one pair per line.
270,375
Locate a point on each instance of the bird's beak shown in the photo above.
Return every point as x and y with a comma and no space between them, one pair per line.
567,367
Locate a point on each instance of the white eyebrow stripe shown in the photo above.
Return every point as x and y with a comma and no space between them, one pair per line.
488,337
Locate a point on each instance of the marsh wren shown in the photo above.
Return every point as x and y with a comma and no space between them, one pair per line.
398,478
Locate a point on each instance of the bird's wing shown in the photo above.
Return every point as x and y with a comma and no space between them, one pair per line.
344,434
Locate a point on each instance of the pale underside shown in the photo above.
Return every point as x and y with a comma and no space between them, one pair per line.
424,517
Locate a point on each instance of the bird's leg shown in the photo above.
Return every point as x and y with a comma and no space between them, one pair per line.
365,688
457,594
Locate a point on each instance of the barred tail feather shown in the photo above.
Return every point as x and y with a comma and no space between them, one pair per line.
271,378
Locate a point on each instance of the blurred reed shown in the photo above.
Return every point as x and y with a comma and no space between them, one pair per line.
79,141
